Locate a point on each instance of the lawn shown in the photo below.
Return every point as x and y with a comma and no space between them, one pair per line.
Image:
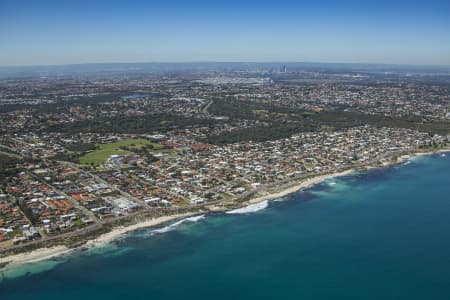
101,155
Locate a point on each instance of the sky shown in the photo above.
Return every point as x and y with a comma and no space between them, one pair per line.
50,32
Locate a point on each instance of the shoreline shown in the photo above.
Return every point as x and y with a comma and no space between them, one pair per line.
304,184
34,256
108,237
60,250
121,230
407,157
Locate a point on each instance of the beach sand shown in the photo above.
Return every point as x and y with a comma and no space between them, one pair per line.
35,255
119,231
47,253
306,183
404,158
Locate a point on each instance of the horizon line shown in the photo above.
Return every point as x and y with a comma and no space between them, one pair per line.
230,61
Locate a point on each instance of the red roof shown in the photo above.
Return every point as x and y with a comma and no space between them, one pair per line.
171,144
200,147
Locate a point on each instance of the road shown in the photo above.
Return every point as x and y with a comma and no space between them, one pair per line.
205,108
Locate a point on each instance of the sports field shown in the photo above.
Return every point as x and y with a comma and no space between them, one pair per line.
104,151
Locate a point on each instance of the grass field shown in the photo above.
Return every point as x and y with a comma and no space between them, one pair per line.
101,155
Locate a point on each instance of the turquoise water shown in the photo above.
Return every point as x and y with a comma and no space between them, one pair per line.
384,234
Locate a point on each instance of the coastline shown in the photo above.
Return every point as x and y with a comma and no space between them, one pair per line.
108,237
119,231
34,256
406,157
59,250
306,183
52,252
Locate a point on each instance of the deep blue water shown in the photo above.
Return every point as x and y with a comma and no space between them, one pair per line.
384,234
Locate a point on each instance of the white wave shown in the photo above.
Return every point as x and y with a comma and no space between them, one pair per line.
280,199
250,208
332,183
443,155
176,224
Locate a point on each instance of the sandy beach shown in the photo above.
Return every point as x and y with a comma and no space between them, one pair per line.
119,231
35,255
47,253
404,158
301,185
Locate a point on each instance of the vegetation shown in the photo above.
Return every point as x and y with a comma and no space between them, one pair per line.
132,124
126,147
256,134
104,151
282,122
80,147
8,166
61,105
236,109
7,162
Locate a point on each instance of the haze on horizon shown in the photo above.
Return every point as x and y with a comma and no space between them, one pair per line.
51,32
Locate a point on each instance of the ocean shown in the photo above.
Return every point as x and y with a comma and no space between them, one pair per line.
381,234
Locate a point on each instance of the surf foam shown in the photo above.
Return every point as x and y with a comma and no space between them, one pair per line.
250,208
178,223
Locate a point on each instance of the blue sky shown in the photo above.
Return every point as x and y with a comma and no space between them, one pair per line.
62,32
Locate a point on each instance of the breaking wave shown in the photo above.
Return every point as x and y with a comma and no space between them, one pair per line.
250,208
282,199
178,223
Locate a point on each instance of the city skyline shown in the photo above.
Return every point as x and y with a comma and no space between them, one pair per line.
53,33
